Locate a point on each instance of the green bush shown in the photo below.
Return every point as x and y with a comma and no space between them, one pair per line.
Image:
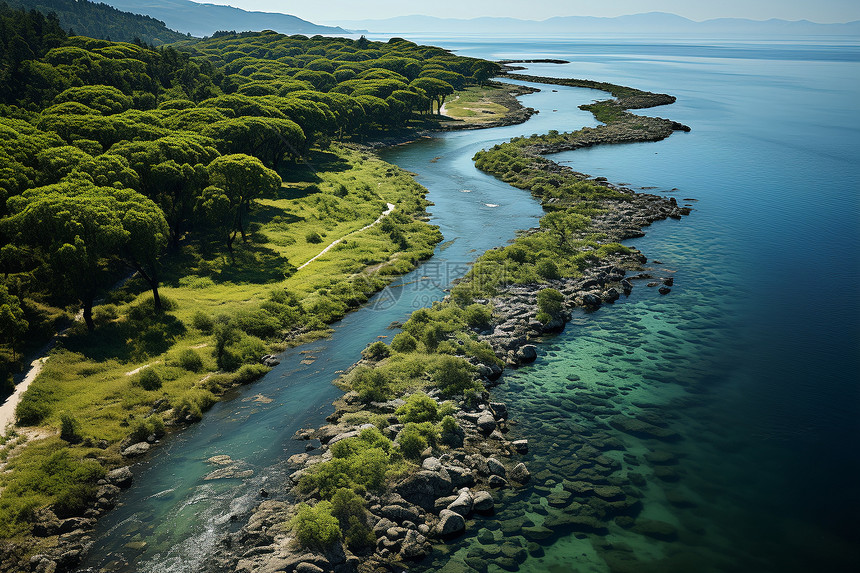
316,527
150,426
313,237
448,425
415,438
453,375
345,503
190,360
404,342
202,322
359,537
149,379
359,462
371,385
450,432
420,407
549,301
259,323
233,348
547,269
470,398
376,351
35,406
74,500
249,373
477,315
70,429
412,443
432,334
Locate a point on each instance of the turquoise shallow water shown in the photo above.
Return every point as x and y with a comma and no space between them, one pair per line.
752,359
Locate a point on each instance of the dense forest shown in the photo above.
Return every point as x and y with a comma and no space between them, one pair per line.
98,20
158,200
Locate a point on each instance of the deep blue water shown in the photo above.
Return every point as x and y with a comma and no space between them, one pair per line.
752,358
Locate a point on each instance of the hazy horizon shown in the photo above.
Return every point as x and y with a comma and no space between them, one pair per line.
333,11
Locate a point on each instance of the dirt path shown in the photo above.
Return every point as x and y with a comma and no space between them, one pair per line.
328,248
7,410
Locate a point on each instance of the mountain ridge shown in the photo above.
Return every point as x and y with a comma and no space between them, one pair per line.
200,19
648,22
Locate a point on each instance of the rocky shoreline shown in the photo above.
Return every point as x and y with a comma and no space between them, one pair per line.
454,487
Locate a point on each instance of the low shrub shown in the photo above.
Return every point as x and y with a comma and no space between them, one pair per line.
547,269
549,301
415,438
376,351
202,322
249,373
453,375
412,443
35,406
315,527
313,237
70,428
371,385
348,507
149,379
190,360
477,315
150,426
420,407
359,462
404,342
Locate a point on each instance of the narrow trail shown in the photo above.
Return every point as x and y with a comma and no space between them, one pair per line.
328,248
7,410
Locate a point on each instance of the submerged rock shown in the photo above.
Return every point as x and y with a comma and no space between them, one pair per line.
642,429
520,473
482,501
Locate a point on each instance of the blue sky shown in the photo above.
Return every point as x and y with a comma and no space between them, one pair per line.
824,11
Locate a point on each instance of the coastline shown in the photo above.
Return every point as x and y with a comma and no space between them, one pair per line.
486,463
585,292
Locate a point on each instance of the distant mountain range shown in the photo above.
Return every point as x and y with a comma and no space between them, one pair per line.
206,19
98,20
650,23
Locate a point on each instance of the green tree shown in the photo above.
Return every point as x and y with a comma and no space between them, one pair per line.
483,70
562,225
82,228
269,139
12,321
172,173
236,180
437,90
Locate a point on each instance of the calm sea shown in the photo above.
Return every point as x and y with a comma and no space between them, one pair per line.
754,357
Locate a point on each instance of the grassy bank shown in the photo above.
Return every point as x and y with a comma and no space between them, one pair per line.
140,373
485,106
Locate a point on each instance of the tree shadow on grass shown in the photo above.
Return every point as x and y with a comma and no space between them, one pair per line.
266,214
253,264
316,161
141,334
